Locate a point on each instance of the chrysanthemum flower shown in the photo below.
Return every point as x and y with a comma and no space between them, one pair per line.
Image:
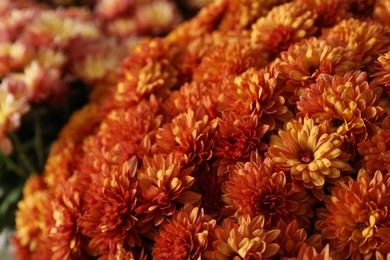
256,188
185,236
123,133
190,96
241,14
306,60
97,60
227,59
239,136
162,182
382,74
189,138
65,237
355,214
290,239
348,102
365,39
109,211
307,252
148,70
328,12
246,239
11,110
156,17
34,216
282,26
254,91
13,56
312,156
376,150
382,12
113,9
58,28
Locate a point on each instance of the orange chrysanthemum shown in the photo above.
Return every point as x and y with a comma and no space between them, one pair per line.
290,239
382,12
365,39
186,236
307,252
109,211
33,217
256,188
65,238
246,239
382,74
328,12
162,182
241,14
191,139
148,70
376,150
254,91
190,96
305,61
282,26
312,156
227,59
348,102
239,136
355,214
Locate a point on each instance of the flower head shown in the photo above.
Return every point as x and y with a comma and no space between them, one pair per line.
303,62
109,212
162,182
239,136
246,239
348,102
256,188
190,138
355,214
312,156
254,92
283,25
366,40
376,150
186,235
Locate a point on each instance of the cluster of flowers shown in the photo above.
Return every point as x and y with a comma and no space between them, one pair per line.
257,130
44,49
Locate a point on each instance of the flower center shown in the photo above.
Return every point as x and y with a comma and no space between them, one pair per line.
336,122
306,156
273,204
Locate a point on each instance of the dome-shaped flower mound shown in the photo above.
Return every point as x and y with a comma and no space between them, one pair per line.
355,215
312,156
246,239
256,188
186,236
348,102
220,140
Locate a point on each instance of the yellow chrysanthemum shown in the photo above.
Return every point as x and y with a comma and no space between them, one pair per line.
312,156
